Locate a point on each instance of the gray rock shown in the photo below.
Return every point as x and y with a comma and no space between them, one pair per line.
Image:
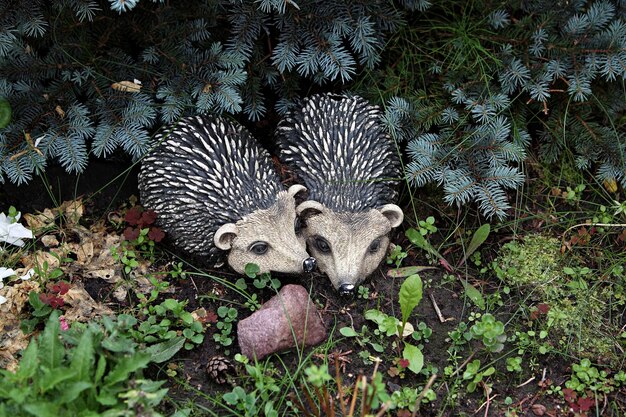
287,320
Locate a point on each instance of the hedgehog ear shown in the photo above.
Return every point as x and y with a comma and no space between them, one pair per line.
295,189
225,235
309,208
393,213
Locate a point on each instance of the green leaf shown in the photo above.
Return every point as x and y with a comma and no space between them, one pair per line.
29,362
420,241
490,371
410,296
348,332
126,366
100,368
50,378
479,237
72,391
415,357
42,409
251,270
164,351
50,347
376,316
83,357
407,271
186,317
170,304
473,294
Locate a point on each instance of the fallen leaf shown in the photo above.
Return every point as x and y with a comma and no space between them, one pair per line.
72,210
50,241
81,306
37,222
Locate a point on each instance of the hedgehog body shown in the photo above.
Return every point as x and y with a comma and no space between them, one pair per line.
218,196
349,165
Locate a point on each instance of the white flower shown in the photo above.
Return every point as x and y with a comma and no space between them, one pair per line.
29,274
13,232
5,273
2,300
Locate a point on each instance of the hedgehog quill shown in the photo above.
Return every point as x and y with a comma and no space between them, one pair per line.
337,148
218,196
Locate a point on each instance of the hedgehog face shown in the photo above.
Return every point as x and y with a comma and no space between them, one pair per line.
267,238
348,246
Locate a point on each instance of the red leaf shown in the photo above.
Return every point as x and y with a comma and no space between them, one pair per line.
585,404
147,218
210,317
403,363
64,287
133,215
44,298
569,395
156,234
131,233
56,302
543,308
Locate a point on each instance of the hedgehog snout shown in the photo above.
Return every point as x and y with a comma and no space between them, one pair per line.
309,264
346,289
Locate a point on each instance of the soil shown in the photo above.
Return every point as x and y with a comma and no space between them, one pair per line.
114,185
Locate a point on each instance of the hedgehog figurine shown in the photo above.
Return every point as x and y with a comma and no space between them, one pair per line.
337,148
218,196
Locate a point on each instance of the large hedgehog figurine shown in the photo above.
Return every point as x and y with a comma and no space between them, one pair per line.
218,196
339,151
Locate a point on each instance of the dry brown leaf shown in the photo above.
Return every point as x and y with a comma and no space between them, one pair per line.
72,210
12,340
17,297
126,86
82,306
37,222
50,241
40,260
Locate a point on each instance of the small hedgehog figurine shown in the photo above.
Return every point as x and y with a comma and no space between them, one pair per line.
216,193
339,151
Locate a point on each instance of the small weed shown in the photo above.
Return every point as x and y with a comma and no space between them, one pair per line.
490,331
396,256
165,321
226,317
475,376
363,292
427,227
514,364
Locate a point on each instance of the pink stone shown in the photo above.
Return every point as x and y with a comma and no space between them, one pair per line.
273,327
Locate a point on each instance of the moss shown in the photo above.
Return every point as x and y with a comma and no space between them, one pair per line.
534,262
578,320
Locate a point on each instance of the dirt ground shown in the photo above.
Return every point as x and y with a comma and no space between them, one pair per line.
114,188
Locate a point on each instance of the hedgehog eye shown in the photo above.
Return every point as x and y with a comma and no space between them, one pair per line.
322,244
259,248
374,246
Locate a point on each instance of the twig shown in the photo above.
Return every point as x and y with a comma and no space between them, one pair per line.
526,383
418,401
436,307
470,357
340,388
354,396
383,409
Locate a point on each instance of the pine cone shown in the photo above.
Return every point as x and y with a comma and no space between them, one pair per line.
219,369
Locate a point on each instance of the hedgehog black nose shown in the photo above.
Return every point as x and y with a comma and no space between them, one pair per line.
309,264
346,289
